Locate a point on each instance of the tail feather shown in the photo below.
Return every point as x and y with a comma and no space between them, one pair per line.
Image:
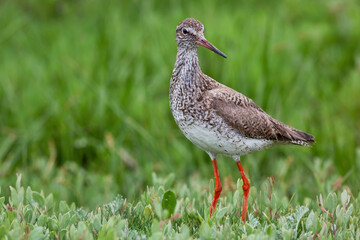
302,138
286,133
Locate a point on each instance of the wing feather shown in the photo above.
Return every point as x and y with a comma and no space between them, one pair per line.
243,115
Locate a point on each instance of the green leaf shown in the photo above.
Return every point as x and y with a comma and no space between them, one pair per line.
249,229
28,215
52,224
252,221
298,214
154,179
3,232
18,181
73,232
169,202
185,231
83,231
36,234
14,197
344,198
338,210
157,208
331,202
236,198
155,227
271,230
349,212
42,220
63,233
148,211
309,221
253,192
97,223
63,207
21,195
221,213
287,233
39,199
49,201
28,196
73,206
161,190
205,232
169,180
64,221
155,236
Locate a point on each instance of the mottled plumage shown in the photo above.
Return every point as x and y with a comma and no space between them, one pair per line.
214,117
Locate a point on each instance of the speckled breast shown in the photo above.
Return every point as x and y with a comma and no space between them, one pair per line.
210,133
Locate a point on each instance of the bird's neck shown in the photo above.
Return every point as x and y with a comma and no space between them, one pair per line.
187,57
187,67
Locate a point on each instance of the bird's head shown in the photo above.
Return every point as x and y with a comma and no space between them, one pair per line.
190,34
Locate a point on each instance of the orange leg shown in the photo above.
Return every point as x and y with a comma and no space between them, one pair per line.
246,189
218,187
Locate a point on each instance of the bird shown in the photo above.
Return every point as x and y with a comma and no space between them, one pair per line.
216,118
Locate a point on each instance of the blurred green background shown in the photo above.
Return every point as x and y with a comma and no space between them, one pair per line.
84,92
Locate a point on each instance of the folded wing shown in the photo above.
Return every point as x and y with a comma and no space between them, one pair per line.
244,116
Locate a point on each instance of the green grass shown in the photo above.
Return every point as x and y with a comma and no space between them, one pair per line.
84,110
160,214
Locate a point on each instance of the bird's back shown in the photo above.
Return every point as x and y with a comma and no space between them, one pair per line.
248,119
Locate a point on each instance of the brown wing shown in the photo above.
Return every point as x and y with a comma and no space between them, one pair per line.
242,114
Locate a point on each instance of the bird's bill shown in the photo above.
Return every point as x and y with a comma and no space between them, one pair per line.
205,43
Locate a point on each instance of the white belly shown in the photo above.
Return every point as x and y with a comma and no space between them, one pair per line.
229,143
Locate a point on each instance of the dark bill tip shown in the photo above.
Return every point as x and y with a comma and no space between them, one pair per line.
205,43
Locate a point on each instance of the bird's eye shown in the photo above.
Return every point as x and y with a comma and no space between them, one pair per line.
185,31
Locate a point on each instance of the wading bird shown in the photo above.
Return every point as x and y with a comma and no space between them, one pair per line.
216,118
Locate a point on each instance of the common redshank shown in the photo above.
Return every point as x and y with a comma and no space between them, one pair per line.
216,118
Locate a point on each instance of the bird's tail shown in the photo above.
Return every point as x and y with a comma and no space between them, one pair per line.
285,133
301,138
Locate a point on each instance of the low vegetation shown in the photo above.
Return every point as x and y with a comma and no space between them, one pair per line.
180,213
